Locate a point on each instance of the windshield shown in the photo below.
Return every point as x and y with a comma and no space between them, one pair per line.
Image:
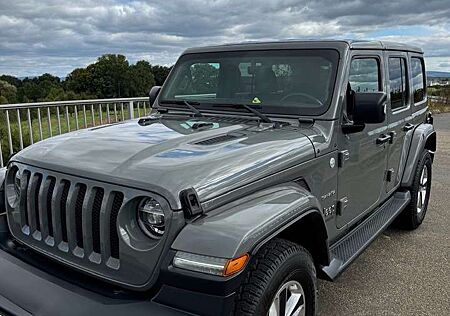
273,81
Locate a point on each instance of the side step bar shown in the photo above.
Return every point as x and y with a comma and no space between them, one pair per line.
347,249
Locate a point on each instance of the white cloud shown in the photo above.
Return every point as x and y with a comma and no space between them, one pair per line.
55,36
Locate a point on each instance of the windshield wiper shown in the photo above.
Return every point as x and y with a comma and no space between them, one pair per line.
262,116
190,105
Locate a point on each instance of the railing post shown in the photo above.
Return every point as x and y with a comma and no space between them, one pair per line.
131,108
1,155
8,123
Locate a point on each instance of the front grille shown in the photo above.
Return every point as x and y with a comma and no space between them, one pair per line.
66,213
85,224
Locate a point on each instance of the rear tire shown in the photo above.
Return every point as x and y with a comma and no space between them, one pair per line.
281,276
414,214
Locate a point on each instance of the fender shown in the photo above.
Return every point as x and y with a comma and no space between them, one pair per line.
2,190
245,224
424,137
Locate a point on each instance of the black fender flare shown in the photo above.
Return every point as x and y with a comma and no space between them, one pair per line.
424,137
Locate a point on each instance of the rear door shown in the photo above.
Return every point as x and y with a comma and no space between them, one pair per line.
399,116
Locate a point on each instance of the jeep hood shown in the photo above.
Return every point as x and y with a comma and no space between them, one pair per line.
167,156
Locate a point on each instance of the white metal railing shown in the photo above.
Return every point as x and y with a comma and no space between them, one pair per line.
60,117
437,99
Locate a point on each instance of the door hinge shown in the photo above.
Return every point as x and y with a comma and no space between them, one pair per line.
341,206
389,174
343,156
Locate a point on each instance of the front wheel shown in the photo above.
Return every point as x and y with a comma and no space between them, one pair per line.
280,281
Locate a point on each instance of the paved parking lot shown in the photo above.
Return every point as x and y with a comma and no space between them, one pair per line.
402,272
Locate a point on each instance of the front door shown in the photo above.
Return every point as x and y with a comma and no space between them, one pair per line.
363,161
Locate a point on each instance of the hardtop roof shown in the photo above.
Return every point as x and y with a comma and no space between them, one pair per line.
313,44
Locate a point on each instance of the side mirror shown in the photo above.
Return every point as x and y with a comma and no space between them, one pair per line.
153,94
369,108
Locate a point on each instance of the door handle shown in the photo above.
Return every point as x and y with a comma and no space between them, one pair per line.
408,127
392,135
383,139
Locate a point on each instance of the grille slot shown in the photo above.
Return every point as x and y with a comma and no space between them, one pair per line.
38,181
96,207
114,237
63,209
23,199
79,214
51,189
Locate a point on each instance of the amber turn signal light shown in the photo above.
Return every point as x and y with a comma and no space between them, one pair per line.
235,265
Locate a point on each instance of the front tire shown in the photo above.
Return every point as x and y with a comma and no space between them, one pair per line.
414,214
281,280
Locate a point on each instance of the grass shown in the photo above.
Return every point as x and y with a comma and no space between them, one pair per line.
439,107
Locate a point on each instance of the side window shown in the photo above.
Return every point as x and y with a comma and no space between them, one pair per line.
398,82
365,75
418,79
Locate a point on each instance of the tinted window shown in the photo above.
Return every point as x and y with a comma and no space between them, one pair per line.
418,86
397,82
284,81
364,75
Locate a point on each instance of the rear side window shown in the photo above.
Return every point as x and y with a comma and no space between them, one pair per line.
397,82
364,75
418,79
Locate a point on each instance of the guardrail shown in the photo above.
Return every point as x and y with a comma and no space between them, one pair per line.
437,99
46,119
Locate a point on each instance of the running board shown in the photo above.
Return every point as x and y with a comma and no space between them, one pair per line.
347,249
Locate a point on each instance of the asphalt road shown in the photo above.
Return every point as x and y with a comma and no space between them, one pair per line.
403,272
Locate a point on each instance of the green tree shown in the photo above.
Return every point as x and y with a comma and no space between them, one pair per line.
160,73
8,92
79,81
11,80
141,78
110,76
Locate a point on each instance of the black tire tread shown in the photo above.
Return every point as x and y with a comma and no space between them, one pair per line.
262,268
408,218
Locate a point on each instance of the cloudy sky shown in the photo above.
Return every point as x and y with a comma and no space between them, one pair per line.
38,36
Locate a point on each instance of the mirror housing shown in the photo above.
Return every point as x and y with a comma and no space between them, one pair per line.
153,94
369,108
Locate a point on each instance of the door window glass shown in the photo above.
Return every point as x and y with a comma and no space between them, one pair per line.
418,79
397,82
364,75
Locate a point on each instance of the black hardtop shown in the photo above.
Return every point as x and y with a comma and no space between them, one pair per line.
339,45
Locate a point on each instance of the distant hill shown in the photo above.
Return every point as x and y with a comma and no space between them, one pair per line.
438,74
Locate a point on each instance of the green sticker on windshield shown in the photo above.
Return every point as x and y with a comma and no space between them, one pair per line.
256,100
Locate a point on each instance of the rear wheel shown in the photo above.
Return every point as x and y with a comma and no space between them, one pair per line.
281,280
414,213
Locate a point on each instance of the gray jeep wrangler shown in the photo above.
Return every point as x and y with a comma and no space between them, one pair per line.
262,167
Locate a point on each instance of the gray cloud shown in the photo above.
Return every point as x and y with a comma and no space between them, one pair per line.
56,36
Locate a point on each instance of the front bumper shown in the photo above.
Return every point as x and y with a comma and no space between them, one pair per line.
31,284
26,290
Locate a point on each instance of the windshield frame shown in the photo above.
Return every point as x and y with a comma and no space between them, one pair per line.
226,105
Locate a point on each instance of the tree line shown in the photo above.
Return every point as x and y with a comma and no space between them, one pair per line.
111,76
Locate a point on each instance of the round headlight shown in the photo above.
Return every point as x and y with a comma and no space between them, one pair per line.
12,187
151,218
